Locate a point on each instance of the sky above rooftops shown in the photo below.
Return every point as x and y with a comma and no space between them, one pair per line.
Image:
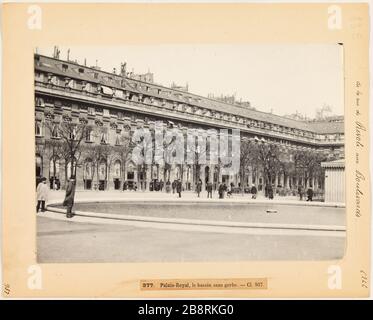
281,79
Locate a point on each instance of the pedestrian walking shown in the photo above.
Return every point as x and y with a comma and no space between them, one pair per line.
174,186
199,187
209,190
300,192
125,185
254,191
270,192
309,194
168,186
69,197
220,191
178,187
42,191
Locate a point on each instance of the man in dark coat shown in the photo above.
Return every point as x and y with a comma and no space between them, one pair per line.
199,187
69,197
309,194
270,192
178,187
174,183
300,192
254,192
220,190
209,190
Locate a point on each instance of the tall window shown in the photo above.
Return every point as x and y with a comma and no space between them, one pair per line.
117,140
54,168
72,133
117,166
102,170
38,129
130,172
55,132
104,138
89,136
38,165
88,169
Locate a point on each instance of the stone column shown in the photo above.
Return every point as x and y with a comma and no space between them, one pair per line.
250,178
109,181
135,177
172,173
124,174
287,182
211,173
220,180
183,176
283,179
148,177
203,177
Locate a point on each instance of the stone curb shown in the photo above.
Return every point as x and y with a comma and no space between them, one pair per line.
214,201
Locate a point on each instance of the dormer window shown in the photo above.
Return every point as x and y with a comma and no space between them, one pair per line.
64,67
81,70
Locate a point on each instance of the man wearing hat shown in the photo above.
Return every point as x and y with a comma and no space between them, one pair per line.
42,194
254,191
69,197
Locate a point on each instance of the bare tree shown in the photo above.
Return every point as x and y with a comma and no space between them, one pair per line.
71,134
54,150
123,150
246,159
267,156
307,164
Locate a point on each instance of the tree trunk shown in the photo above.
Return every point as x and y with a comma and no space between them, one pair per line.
54,168
65,174
107,176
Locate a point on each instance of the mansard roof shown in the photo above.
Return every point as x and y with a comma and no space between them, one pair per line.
54,66
327,127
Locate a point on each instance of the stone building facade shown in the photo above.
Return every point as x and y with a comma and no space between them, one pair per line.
116,104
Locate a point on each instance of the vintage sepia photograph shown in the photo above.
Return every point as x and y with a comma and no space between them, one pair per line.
190,153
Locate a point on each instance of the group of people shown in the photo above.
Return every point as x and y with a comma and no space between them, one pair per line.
268,191
301,193
42,191
129,186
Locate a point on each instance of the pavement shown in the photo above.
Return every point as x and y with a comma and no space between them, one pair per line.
311,231
66,241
